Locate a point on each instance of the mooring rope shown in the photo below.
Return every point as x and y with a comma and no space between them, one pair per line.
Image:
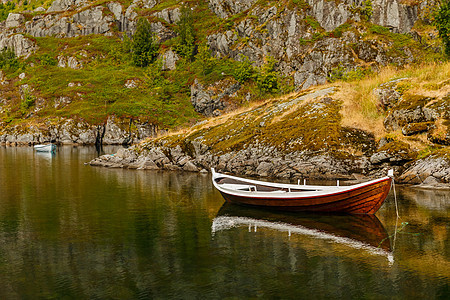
395,198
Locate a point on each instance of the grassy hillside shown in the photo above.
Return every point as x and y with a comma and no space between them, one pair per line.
345,118
98,89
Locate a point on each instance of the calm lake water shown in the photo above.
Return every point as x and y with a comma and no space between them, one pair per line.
71,231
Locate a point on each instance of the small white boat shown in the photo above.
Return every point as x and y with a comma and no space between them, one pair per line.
45,148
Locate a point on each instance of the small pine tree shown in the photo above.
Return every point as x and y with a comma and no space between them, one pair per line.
144,47
442,22
8,59
186,33
205,59
267,80
244,71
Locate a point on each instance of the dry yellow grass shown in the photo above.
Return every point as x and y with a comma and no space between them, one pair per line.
360,107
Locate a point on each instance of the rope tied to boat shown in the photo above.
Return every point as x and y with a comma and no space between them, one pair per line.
391,174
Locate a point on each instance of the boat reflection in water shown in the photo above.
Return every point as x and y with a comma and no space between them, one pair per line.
362,231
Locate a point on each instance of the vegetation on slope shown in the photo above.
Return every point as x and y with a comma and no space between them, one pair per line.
98,89
347,119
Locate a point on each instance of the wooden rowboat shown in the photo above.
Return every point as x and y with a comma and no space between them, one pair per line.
363,198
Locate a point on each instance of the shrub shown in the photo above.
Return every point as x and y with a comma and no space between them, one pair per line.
48,60
442,22
205,59
5,9
342,73
8,59
244,70
366,10
267,80
143,45
28,100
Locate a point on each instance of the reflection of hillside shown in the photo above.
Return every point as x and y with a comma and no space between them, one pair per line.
363,232
438,200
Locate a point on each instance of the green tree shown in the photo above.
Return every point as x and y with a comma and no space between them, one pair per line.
205,59
186,34
244,70
267,80
144,46
8,59
442,22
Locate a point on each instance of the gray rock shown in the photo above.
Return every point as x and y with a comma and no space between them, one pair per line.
226,8
190,167
171,16
69,62
62,101
63,5
264,169
208,102
330,14
395,15
148,164
397,118
387,93
22,45
415,128
420,170
131,84
146,3
14,20
169,60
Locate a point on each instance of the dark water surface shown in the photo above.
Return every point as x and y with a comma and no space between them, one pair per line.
71,231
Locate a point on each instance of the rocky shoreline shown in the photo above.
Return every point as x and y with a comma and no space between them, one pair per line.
303,137
431,172
114,131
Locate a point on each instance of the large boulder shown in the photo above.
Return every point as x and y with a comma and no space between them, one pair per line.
169,60
211,100
14,20
63,5
395,14
226,8
436,166
22,45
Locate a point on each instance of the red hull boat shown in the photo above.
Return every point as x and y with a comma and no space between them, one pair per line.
363,198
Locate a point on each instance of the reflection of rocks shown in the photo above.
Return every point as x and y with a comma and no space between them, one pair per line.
438,200
69,131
